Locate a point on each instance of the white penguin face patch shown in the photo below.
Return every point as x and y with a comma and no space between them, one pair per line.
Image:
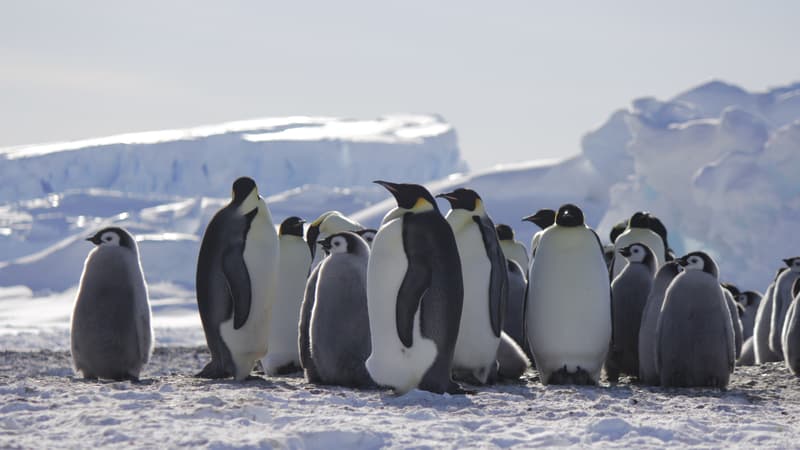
368,236
110,239
694,263
637,253
338,245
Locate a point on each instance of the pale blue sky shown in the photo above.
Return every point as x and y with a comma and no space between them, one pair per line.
519,79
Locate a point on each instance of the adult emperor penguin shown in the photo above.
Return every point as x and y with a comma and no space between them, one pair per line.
236,282
569,302
761,330
110,334
515,306
643,228
781,299
414,295
339,329
328,223
513,249
648,374
629,292
543,218
484,271
749,301
694,345
294,261
791,332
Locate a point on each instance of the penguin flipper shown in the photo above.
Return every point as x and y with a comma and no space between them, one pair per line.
498,278
415,284
238,282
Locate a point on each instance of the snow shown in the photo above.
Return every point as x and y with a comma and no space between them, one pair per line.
716,163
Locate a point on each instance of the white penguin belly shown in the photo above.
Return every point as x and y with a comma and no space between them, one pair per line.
294,262
250,342
391,363
476,346
569,303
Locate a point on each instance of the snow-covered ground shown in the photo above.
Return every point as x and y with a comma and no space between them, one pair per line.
718,164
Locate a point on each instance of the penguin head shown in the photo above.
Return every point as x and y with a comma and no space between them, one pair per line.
345,242
637,253
748,298
793,263
730,287
368,235
411,197
292,226
639,219
616,230
569,215
643,219
242,188
463,198
113,237
504,232
543,218
699,261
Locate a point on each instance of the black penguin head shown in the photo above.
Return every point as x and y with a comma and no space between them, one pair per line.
504,232
616,230
242,187
793,263
345,242
639,219
543,218
462,198
292,226
367,234
643,219
699,261
749,299
569,215
409,196
113,237
730,287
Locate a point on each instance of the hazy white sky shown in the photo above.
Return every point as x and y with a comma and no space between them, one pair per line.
519,79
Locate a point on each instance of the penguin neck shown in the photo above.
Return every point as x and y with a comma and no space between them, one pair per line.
460,218
420,207
252,201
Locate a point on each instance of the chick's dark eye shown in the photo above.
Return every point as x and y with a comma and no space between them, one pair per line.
107,239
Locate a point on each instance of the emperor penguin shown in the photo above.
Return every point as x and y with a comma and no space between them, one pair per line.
511,359
111,336
749,301
694,344
761,330
748,355
543,218
294,262
569,302
513,249
608,250
648,374
782,297
415,295
791,332
729,290
515,306
368,234
484,272
339,330
646,229
629,292
236,282
328,223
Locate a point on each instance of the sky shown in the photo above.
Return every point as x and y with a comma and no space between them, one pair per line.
519,80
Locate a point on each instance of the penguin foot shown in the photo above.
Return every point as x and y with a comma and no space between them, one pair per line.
457,389
287,369
579,377
212,370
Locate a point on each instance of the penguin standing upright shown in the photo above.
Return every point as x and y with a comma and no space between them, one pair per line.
629,292
514,321
569,302
646,229
339,329
791,332
295,259
328,223
648,373
484,271
236,282
110,334
781,298
761,330
512,249
749,301
414,295
729,290
694,344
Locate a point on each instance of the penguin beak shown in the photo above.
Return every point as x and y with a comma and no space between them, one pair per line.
325,243
94,239
391,187
682,262
626,252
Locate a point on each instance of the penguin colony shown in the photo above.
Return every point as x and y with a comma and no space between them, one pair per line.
436,302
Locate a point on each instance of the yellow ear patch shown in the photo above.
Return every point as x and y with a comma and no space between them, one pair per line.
421,203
